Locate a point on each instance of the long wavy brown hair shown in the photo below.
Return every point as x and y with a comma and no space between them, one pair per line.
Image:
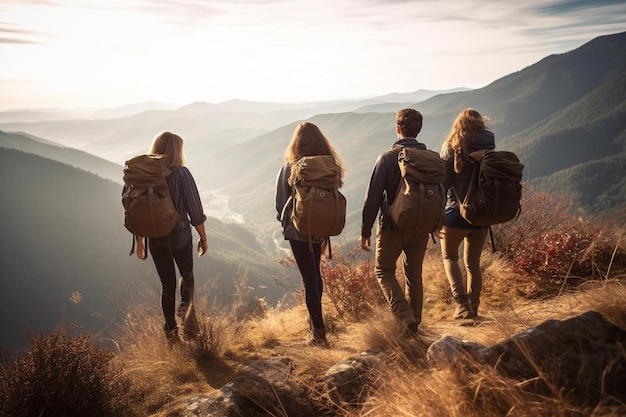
468,123
171,145
308,140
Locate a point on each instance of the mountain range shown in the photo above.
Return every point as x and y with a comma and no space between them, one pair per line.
564,116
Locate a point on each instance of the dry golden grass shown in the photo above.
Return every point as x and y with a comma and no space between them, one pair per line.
163,377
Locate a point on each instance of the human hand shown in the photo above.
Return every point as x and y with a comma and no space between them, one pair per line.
203,247
366,243
141,249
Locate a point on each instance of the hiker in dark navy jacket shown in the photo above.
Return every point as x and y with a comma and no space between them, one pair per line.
176,249
307,140
468,134
391,241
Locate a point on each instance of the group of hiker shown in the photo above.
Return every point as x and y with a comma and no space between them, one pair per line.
311,153
468,134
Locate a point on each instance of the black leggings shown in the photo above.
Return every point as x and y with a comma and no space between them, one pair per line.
309,266
164,257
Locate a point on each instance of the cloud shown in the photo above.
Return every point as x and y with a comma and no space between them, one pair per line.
194,50
561,7
9,34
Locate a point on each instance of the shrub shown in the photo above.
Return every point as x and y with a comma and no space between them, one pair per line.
551,246
541,213
62,376
351,284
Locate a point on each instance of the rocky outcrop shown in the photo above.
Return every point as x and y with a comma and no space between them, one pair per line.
583,358
347,382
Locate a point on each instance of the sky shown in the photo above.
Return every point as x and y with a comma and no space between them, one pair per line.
73,54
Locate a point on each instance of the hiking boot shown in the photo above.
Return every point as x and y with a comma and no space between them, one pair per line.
183,308
464,311
172,336
318,338
410,330
475,307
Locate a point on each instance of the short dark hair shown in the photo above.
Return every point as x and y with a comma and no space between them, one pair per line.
410,122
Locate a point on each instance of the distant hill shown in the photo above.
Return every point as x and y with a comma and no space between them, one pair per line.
62,232
47,149
564,116
207,127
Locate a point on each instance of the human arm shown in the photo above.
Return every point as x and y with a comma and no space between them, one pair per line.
203,246
283,190
141,248
193,203
374,198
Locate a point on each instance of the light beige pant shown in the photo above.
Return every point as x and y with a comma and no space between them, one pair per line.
473,241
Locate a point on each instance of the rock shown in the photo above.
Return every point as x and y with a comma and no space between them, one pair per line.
224,403
583,357
450,351
347,381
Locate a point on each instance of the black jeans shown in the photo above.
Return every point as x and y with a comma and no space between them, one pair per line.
165,255
309,266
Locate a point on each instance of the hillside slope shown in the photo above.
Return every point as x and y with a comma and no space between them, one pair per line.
47,149
560,115
63,233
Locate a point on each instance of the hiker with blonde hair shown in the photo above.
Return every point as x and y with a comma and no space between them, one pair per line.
176,249
468,134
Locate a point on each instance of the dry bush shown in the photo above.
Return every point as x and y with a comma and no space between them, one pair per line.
159,372
349,282
62,376
541,213
551,247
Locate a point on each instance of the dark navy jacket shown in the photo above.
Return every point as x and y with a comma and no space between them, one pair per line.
461,181
383,186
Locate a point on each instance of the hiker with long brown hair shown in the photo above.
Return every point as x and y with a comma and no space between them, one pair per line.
176,249
307,140
468,134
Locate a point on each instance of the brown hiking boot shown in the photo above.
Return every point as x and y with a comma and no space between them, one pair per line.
464,311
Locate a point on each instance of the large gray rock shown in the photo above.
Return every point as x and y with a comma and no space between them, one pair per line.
584,357
347,382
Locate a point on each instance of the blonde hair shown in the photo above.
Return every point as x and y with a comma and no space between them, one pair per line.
308,140
468,123
170,145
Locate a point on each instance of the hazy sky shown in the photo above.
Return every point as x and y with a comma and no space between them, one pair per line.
103,53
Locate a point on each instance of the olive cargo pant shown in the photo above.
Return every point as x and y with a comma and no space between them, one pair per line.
406,305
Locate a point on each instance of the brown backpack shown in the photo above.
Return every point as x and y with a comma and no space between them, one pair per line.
419,205
495,190
148,207
319,209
